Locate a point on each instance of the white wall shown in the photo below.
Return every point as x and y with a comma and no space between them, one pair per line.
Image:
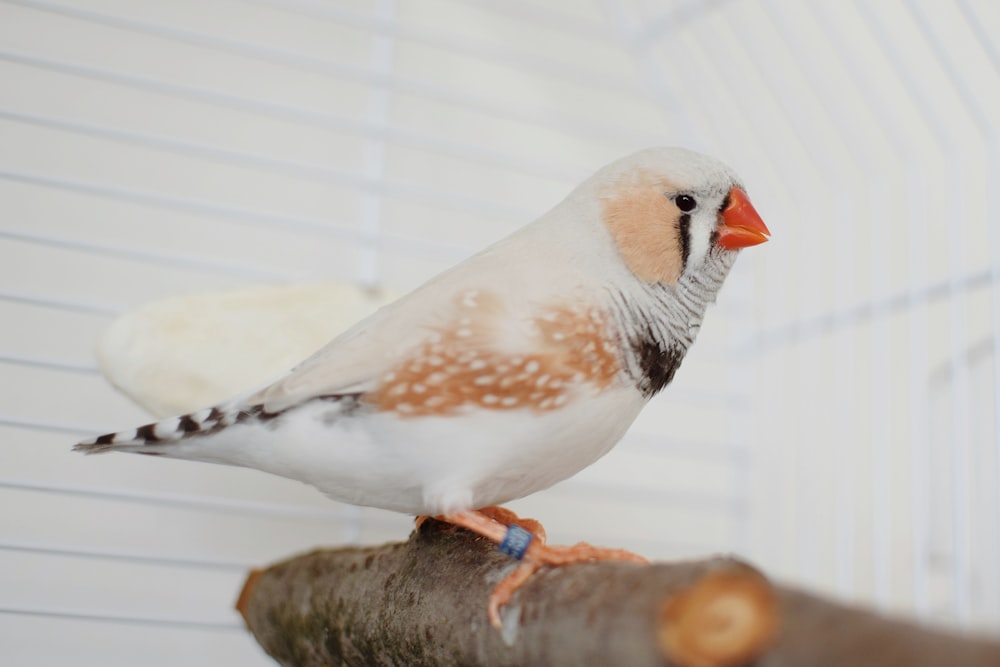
834,423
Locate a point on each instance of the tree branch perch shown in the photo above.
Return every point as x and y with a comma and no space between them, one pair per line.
423,602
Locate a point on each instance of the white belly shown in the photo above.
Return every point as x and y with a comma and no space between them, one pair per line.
428,465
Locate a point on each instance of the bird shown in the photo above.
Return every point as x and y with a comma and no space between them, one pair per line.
504,375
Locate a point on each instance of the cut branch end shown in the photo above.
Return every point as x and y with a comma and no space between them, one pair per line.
724,619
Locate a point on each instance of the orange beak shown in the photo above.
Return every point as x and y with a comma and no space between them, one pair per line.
741,225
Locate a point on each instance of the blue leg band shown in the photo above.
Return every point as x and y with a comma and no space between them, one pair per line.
516,542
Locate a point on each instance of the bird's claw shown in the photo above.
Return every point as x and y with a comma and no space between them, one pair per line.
540,555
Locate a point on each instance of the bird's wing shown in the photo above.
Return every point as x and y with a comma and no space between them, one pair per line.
354,361
479,305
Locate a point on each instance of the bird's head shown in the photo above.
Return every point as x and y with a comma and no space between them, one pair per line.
669,210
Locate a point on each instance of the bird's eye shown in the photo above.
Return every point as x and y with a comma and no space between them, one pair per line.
685,203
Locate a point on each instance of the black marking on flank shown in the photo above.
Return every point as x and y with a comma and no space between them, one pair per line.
684,232
106,439
147,433
215,415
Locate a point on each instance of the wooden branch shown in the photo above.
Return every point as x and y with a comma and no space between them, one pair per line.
423,602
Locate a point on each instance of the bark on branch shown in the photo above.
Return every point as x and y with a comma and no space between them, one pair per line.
423,602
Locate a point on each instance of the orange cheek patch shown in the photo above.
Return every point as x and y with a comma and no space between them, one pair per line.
643,222
453,369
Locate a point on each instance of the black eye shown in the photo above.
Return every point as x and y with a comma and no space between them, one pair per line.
685,203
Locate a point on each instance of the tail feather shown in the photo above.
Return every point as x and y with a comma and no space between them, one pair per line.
156,438
167,431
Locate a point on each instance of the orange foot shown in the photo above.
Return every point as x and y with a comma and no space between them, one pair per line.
494,524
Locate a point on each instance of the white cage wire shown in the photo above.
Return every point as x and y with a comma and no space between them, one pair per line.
835,423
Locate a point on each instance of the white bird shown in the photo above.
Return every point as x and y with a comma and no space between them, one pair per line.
506,374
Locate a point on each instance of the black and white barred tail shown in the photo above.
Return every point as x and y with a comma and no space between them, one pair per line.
172,430
156,438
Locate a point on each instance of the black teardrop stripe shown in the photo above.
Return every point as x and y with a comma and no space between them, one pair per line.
684,234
